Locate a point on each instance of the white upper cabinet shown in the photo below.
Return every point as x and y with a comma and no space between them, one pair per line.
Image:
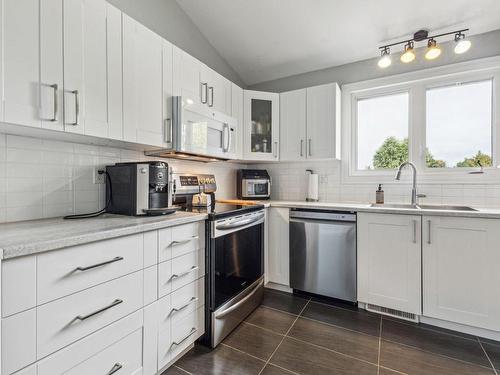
293,134
218,90
460,270
115,72
142,84
323,121
237,113
389,261
187,77
21,48
261,125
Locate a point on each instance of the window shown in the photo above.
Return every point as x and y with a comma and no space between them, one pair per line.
459,125
382,131
445,120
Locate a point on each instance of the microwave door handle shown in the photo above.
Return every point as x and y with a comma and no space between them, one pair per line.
229,136
225,137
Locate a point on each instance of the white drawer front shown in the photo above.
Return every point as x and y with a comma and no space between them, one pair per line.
124,357
185,331
187,299
18,341
64,321
181,240
18,285
187,268
70,270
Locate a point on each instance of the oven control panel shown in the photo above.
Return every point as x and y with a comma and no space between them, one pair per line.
185,183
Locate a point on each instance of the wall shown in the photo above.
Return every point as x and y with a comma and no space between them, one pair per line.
483,45
167,19
42,178
289,182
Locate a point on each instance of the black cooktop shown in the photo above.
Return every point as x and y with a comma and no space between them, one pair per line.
222,210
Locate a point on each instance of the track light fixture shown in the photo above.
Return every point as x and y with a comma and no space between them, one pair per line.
433,51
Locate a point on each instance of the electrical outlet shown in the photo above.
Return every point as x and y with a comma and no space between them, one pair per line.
99,178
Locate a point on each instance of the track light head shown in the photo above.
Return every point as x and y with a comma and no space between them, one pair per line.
385,58
433,50
409,54
462,44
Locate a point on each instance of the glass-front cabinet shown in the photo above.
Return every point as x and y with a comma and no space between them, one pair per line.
261,125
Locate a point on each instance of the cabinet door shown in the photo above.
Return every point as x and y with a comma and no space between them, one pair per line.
219,94
21,48
237,113
95,77
322,114
187,76
114,77
278,251
142,84
261,125
389,261
293,125
460,270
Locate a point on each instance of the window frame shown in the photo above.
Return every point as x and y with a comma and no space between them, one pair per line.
416,84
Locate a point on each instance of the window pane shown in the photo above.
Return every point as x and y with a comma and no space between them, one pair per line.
382,131
459,122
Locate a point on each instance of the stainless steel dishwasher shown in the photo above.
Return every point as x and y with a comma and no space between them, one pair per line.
323,253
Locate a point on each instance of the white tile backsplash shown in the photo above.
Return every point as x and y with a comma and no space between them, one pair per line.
42,178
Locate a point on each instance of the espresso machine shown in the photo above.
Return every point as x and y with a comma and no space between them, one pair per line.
139,188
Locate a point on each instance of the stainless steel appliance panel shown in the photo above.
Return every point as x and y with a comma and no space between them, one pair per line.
323,254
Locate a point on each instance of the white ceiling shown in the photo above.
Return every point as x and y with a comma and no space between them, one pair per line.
268,39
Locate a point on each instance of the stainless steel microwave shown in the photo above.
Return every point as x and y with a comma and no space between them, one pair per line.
196,132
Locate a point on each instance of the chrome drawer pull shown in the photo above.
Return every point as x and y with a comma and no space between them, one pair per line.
184,241
174,309
117,367
117,259
193,330
113,304
193,268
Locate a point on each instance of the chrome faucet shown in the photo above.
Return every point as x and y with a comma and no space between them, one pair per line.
414,194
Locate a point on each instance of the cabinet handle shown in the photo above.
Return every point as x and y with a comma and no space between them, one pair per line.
184,241
309,147
77,108
429,232
301,147
175,309
211,102
275,151
203,88
414,231
116,302
55,87
116,367
176,276
117,259
193,330
168,130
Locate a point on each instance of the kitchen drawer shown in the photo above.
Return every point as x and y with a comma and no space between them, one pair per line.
124,357
18,341
27,371
187,299
64,321
60,273
180,240
185,331
89,347
180,271
18,285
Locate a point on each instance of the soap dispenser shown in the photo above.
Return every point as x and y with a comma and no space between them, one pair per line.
379,195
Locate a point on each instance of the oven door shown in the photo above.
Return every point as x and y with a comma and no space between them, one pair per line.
237,256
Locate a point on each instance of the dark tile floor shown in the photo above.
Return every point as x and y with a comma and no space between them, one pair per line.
295,335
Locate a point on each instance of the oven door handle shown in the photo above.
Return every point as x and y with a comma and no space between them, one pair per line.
229,310
240,223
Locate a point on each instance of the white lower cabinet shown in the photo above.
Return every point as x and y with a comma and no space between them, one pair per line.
278,257
460,270
389,261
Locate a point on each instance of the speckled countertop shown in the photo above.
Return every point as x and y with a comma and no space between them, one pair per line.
35,236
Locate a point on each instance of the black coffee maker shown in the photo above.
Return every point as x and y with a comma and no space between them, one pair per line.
142,188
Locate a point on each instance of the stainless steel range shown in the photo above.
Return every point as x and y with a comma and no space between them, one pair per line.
234,257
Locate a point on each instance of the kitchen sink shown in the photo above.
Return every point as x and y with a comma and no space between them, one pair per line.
393,205
424,207
445,207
